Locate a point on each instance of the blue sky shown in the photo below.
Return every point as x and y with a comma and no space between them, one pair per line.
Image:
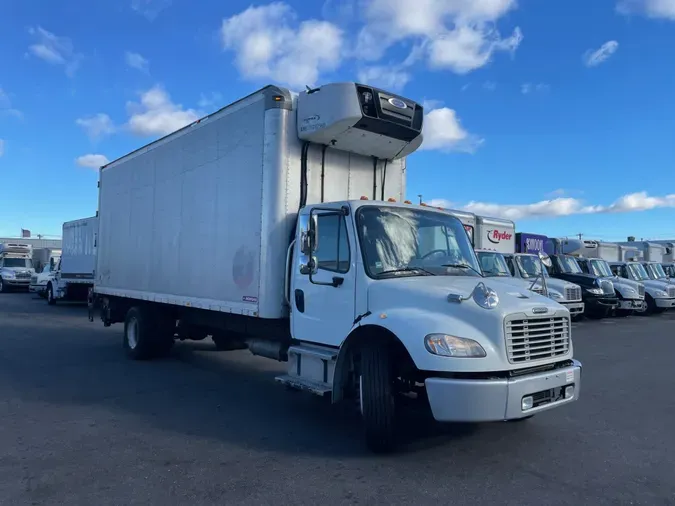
559,115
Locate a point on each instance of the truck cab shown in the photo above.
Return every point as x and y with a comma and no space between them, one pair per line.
40,280
593,257
16,266
659,294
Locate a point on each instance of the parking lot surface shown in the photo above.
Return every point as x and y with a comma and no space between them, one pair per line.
81,424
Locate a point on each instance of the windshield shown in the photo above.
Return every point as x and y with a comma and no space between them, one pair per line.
18,262
656,271
414,242
601,268
529,266
569,264
637,271
493,264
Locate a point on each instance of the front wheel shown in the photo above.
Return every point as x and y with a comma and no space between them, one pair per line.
3,287
577,317
50,295
376,396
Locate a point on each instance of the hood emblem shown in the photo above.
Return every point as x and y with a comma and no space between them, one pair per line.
540,310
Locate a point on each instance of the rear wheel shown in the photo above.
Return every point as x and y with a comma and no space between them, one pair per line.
146,335
377,397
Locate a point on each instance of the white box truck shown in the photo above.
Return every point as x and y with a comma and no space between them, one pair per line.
74,274
16,266
320,265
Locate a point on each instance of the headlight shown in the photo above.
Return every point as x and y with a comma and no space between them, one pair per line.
595,291
555,295
9,275
453,346
659,293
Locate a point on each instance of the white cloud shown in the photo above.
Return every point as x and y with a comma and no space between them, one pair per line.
269,44
136,61
592,58
6,106
443,131
210,101
96,126
458,35
157,114
562,206
2,147
92,161
527,88
664,9
150,8
54,49
386,77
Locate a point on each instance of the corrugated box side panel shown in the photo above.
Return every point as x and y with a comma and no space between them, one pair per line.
166,210
79,251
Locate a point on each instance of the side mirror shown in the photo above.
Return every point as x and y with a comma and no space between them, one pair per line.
545,259
309,235
310,267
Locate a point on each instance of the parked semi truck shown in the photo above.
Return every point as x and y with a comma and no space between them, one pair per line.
598,293
74,274
320,265
16,266
593,257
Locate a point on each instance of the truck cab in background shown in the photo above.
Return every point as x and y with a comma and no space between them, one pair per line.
16,266
499,235
593,257
659,294
598,294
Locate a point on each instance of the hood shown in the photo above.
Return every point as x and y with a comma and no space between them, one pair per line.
559,285
657,284
582,279
432,293
623,285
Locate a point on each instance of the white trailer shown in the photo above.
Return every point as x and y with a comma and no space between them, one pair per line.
320,266
74,273
495,234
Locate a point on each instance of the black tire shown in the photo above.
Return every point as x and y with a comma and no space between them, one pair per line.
50,295
651,306
3,286
145,336
622,313
578,317
378,406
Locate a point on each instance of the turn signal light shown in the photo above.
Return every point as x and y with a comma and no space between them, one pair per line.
407,202
391,199
363,197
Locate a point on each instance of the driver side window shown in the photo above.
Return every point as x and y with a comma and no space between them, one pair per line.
333,252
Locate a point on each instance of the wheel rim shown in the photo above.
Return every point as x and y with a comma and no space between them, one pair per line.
132,333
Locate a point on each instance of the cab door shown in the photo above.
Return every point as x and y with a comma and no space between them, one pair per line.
323,279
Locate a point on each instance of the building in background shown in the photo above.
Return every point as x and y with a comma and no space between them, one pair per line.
34,241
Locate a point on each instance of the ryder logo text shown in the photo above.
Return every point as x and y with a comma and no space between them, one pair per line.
495,236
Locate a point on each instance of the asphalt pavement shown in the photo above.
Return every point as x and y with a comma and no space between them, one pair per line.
82,425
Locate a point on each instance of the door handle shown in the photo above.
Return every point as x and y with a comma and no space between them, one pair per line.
300,300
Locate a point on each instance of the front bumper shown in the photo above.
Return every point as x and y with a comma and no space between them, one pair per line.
601,303
665,303
491,400
37,288
632,304
22,283
574,308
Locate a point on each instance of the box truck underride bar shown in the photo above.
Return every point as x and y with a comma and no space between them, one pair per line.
366,298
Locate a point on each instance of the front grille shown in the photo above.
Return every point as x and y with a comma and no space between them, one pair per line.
671,291
23,275
537,338
573,293
641,291
607,287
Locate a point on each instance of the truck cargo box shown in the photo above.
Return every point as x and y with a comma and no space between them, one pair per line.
203,217
78,256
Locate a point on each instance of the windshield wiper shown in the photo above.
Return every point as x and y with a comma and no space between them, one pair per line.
463,266
407,269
